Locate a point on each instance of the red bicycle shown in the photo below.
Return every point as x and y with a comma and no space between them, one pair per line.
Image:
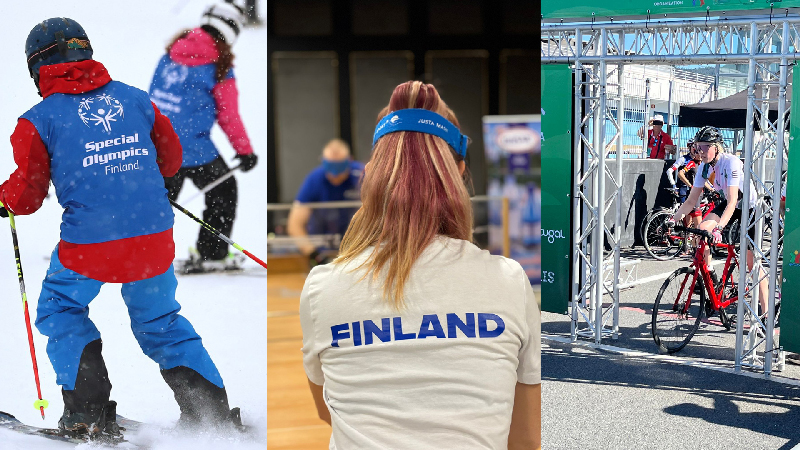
690,293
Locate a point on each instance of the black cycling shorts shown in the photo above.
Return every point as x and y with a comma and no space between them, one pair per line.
737,214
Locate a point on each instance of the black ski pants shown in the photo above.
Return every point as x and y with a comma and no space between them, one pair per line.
221,203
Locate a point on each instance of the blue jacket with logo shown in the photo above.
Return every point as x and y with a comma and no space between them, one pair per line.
102,156
185,95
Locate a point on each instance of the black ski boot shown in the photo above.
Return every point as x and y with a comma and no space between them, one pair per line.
88,412
93,425
202,403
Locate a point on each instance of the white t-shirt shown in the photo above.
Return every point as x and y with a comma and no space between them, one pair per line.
439,373
729,171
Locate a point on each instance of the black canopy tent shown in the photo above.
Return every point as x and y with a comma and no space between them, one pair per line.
729,112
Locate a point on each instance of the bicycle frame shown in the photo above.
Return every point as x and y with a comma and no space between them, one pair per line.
701,269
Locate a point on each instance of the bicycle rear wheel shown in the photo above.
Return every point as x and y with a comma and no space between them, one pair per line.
661,242
677,310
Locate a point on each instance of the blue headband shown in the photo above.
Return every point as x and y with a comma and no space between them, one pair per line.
422,121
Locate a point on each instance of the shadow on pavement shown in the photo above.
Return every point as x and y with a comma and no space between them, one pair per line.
739,402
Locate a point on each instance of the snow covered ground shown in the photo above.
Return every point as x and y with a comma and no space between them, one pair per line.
229,311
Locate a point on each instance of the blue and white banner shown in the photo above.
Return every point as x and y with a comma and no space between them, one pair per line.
513,159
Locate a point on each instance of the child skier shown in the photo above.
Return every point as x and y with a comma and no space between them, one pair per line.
194,86
105,147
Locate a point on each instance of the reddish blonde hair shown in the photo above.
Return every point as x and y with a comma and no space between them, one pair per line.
411,192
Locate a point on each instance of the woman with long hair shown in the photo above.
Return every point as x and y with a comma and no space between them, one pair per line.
421,339
727,174
194,86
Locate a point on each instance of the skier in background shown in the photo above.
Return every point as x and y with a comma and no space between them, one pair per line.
194,86
106,148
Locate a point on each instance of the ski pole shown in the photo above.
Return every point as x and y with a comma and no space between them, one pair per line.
211,186
218,234
40,404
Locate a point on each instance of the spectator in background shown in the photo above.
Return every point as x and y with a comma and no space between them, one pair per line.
659,143
194,86
337,179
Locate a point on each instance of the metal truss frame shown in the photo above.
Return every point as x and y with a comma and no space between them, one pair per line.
589,196
590,49
695,41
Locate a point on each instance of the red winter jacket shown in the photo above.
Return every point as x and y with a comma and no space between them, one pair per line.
119,261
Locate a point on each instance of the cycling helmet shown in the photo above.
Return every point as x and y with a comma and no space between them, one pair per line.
708,134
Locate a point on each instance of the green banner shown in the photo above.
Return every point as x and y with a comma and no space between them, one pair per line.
556,186
790,303
553,9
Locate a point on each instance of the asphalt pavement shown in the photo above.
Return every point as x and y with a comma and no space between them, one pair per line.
624,394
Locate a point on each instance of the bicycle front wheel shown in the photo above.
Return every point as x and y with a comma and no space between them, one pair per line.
660,241
677,310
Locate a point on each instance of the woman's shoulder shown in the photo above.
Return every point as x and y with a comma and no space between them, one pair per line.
320,274
328,275
733,160
467,253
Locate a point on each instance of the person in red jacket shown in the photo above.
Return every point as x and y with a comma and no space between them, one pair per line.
659,143
106,149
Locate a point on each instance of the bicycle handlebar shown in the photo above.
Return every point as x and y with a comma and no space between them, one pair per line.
696,231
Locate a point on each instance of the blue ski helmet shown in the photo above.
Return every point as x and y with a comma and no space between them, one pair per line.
54,41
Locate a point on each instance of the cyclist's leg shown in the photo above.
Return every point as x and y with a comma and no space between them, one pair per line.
698,217
708,224
683,194
695,218
763,285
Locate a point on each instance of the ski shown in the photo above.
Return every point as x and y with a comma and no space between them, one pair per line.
191,268
187,268
9,422
195,265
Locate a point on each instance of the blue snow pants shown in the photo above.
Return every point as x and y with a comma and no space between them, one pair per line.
164,335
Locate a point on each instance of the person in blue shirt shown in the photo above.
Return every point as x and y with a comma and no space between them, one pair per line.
338,178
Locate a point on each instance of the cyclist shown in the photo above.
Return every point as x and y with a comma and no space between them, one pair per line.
682,164
729,177
685,168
